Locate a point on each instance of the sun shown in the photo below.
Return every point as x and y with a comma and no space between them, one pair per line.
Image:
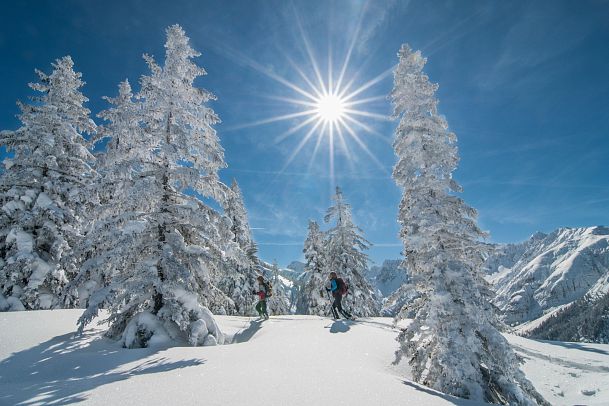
330,108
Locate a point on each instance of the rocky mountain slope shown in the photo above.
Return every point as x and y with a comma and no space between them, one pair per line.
549,270
388,277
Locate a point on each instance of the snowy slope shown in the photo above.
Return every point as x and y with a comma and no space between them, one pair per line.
288,360
566,373
548,271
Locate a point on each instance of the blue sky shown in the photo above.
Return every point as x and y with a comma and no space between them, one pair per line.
524,85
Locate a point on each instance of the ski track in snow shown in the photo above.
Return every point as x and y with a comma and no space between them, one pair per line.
287,360
566,373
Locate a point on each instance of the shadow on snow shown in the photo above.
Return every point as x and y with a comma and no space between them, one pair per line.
573,345
448,398
245,335
376,324
339,326
584,366
61,370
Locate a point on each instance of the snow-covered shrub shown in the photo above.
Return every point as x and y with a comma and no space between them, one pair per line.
402,302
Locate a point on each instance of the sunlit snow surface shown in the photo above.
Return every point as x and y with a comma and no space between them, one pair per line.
287,360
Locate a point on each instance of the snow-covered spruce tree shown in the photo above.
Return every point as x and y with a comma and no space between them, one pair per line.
235,210
239,279
117,207
155,246
344,255
279,303
43,192
313,298
452,345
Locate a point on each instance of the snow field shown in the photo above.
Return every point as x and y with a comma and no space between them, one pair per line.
287,360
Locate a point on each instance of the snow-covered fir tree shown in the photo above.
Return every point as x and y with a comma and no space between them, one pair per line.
156,248
43,192
118,207
313,299
584,320
239,278
274,274
279,302
345,255
452,345
235,210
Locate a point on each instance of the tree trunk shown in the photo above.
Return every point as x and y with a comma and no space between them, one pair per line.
158,296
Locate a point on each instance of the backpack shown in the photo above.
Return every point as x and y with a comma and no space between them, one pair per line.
343,287
268,289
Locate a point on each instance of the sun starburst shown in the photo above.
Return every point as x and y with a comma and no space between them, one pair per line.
330,110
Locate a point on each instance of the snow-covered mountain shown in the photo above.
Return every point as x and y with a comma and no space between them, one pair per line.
549,270
507,255
388,277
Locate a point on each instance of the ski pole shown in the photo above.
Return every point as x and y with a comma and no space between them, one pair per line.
331,308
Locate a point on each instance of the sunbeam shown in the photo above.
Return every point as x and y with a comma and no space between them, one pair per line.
301,145
341,76
294,129
365,114
314,154
345,147
368,129
365,148
273,119
305,41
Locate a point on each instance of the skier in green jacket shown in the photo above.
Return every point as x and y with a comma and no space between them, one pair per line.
264,291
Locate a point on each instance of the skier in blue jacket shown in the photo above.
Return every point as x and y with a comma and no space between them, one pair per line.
338,288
